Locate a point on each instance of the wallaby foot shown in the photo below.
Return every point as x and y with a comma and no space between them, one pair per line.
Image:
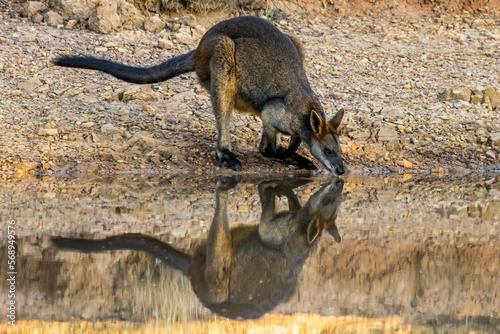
228,159
297,160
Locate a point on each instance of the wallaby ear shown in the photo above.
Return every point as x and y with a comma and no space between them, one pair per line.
334,123
314,229
334,232
317,124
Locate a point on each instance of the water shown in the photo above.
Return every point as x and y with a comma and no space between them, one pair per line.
178,254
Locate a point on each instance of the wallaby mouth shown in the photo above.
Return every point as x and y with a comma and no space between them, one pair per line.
336,170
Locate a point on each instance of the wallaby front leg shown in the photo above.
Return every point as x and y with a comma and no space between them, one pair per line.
219,250
223,93
267,145
275,118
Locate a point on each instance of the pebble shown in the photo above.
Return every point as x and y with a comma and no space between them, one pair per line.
52,18
490,154
165,44
147,108
88,124
48,132
28,37
31,84
153,23
71,24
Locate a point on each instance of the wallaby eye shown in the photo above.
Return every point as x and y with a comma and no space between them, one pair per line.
328,152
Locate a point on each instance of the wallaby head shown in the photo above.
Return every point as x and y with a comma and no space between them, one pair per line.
324,206
325,145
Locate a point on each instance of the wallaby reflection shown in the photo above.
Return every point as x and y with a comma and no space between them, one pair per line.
246,271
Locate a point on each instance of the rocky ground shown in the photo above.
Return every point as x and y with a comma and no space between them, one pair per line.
419,94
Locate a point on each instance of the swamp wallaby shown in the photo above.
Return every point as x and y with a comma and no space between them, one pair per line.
246,271
247,64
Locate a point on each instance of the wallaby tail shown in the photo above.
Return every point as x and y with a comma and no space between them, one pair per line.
141,75
138,242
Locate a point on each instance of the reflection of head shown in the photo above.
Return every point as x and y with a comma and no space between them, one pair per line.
325,204
319,213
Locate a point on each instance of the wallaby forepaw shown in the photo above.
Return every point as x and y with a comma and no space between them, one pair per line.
301,162
228,159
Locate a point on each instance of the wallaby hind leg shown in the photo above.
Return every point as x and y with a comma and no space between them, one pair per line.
219,248
220,50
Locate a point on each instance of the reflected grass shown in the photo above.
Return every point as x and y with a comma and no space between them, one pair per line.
273,323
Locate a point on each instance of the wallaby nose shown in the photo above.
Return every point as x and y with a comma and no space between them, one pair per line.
339,170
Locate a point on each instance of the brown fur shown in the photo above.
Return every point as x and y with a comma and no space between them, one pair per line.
247,64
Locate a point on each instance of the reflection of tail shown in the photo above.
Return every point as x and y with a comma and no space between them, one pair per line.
138,242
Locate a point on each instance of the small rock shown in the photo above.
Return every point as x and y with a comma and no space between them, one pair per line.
184,36
387,134
71,24
94,137
44,89
17,92
111,128
31,84
30,8
37,18
111,45
461,94
476,98
47,132
101,49
139,92
493,95
28,37
338,96
52,18
199,30
407,164
494,141
88,124
189,20
444,95
490,154
131,17
104,17
153,23
461,104
392,113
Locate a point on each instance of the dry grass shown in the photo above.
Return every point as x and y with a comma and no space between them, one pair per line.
296,324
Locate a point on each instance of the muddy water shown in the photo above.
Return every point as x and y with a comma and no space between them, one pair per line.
305,255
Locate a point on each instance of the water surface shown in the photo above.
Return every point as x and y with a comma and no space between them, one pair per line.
195,254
